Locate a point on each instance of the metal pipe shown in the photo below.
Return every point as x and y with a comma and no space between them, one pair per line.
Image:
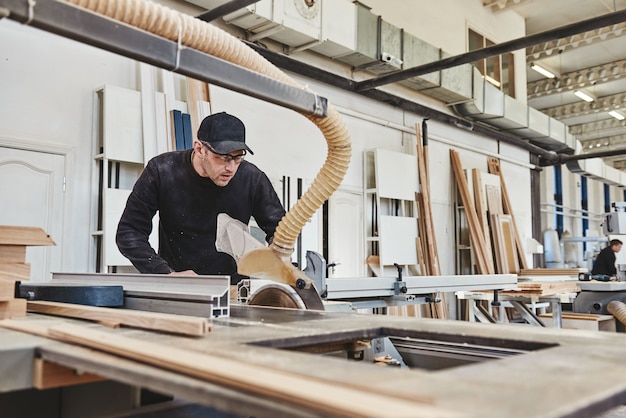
224,9
563,159
513,45
315,73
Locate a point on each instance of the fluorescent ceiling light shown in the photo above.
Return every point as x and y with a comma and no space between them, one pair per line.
542,71
585,96
616,115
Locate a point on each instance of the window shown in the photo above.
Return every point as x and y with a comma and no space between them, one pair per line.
498,69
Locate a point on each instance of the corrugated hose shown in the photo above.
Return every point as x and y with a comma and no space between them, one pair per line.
205,37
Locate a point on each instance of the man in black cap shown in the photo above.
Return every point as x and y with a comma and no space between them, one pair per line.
189,189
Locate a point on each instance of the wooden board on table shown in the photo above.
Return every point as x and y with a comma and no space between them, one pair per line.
179,324
24,235
264,381
543,289
553,272
564,286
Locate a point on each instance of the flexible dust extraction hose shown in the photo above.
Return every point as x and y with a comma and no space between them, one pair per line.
618,310
202,36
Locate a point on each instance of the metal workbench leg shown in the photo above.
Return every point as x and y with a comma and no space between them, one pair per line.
479,312
526,313
555,305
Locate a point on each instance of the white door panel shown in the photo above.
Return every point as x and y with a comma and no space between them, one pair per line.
345,234
32,195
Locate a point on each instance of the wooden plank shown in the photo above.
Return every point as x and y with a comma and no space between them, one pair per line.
431,248
494,199
503,224
7,290
179,324
197,93
423,239
48,375
439,309
502,265
12,253
560,287
420,256
358,399
24,235
476,236
573,271
14,308
15,271
494,168
481,210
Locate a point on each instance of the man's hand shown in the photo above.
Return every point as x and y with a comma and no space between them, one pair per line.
183,273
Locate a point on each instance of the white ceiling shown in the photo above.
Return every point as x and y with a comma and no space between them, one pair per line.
584,61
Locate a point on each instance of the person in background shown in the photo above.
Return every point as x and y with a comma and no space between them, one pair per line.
605,261
189,189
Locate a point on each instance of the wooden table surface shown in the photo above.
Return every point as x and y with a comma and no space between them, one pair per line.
563,373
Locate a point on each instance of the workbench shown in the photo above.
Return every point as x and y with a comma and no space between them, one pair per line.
558,373
519,302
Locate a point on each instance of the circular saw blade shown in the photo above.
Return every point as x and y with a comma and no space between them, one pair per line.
277,296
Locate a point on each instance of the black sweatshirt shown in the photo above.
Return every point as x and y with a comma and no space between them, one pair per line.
605,262
188,205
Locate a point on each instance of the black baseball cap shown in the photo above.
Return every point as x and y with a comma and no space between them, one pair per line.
225,133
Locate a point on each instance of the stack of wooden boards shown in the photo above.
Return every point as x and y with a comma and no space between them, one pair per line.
13,266
551,274
494,237
543,288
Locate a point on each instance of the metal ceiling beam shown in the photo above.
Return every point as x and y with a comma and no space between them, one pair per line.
501,48
591,76
545,49
224,9
608,143
619,164
581,108
502,5
597,129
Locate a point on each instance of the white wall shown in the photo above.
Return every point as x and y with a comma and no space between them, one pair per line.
48,86
572,208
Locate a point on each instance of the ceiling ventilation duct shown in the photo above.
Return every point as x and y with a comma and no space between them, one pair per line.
416,53
295,23
367,42
597,169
